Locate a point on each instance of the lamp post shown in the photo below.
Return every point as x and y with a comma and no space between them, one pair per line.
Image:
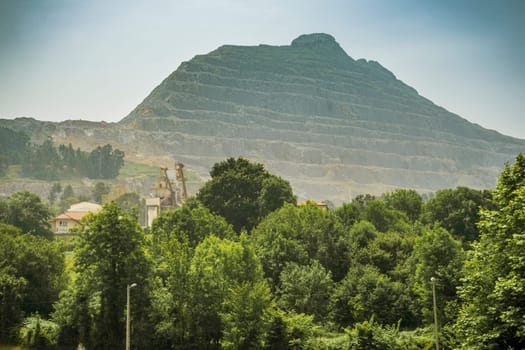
436,334
128,311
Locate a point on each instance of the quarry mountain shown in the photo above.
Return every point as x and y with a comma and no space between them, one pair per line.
333,126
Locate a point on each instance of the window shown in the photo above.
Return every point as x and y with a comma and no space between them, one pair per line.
63,226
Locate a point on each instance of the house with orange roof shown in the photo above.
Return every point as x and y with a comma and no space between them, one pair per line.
63,223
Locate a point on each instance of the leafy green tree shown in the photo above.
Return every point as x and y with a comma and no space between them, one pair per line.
245,319
37,333
12,285
492,315
243,192
99,190
67,193
381,216
364,292
362,200
388,251
277,335
369,335
298,234
305,289
386,256
437,254
406,201
105,163
299,329
56,188
13,145
31,277
360,236
192,223
69,161
43,161
457,210
175,235
222,273
109,255
274,193
26,211
348,214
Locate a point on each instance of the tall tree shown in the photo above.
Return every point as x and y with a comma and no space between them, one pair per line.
31,276
243,192
56,188
437,254
457,210
407,201
105,163
223,273
99,190
44,162
110,254
305,289
26,211
245,318
192,223
365,292
493,311
175,235
299,234
13,145
381,216
348,214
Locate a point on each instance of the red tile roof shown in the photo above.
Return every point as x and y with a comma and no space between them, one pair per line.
70,215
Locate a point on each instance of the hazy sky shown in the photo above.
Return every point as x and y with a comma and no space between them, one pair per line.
98,59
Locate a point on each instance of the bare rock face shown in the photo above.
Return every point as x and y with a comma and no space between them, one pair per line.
333,126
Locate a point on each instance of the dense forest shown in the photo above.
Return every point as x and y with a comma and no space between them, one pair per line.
241,266
47,162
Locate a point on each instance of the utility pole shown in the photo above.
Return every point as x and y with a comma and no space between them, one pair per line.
436,332
128,312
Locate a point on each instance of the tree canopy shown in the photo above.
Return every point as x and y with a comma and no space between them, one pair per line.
493,310
109,256
26,211
302,277
243,192
457,210
31,277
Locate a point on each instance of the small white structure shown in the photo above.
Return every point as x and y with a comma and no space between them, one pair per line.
152,210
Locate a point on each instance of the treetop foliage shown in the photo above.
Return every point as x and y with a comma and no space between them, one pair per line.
48,162
243,192
492,312
26,211
357,277
31,277
13,145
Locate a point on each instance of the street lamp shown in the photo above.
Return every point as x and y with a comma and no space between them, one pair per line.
436,334
128,311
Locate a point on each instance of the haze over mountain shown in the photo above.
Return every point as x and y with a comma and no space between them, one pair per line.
333,126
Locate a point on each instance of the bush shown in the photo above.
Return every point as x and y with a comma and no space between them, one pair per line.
38,334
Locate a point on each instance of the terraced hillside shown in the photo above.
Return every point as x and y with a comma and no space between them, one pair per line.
333,125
